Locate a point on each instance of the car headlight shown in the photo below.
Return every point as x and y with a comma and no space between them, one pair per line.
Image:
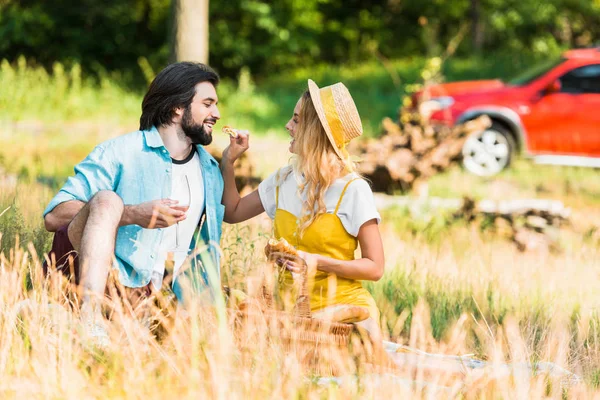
427,108
443,102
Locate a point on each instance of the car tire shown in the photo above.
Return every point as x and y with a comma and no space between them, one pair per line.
488,152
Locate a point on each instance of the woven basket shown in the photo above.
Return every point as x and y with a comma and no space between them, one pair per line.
320,345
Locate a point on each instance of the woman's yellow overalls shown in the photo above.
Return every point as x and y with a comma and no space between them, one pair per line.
325,236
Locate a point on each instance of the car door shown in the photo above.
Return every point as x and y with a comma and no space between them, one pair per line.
566,120
547,120
583,84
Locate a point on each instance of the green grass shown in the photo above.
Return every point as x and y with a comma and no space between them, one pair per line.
32,94
67,95
523,179
453,268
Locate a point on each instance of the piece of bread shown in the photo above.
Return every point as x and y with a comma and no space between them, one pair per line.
282,247
343,313
230,131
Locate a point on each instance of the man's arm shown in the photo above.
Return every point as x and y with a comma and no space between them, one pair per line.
96,172
151,214
62,215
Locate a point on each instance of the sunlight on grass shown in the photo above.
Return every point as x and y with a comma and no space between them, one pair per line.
450,286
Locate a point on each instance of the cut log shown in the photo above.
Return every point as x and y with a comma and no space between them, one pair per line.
532,241
411,150
399,163
525,207
532,224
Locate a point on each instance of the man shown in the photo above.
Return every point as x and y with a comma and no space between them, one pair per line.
136,202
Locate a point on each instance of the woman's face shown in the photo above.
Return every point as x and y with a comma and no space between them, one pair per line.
293,124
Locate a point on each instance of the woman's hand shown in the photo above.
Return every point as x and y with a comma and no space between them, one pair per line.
304,261
237,146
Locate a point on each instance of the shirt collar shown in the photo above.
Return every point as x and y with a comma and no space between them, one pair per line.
205,157
153,138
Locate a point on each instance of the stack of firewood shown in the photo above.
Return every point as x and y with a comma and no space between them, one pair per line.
531,224
411,150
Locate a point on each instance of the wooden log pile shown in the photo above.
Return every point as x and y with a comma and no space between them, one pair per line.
531,224
411,150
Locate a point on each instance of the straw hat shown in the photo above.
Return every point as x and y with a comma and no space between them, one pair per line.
338,114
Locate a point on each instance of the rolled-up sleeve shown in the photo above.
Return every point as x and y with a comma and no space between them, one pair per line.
96,172
358,207
267,194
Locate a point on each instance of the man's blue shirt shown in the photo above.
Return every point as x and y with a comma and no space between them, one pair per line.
138,168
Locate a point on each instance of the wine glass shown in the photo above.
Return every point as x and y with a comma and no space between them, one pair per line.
183,194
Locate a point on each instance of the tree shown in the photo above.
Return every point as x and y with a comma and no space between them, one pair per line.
476,25
190,30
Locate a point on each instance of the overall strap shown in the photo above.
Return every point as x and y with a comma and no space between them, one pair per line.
337,207
276,200
277,189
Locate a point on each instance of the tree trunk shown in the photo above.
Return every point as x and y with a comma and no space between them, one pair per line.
190,30
476,25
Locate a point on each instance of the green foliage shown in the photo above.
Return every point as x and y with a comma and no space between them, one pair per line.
402,291
15,231
268,36
100,36
65,94
30,93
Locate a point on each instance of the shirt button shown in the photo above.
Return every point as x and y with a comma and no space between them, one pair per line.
151,255
164,151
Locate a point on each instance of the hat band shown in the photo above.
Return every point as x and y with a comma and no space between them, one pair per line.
332,116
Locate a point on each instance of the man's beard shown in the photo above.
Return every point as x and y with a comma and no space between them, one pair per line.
194,131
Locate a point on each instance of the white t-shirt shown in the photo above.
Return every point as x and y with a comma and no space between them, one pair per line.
357,207
188,188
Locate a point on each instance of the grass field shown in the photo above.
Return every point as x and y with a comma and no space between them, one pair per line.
66,98
449,287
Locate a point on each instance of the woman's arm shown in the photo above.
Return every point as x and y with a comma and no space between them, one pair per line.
237,209
368,268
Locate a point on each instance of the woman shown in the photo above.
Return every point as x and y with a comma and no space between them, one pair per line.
318,203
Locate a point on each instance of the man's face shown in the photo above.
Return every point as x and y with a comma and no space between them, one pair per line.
201,115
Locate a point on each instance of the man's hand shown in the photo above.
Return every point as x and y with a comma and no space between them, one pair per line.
155,214
237,146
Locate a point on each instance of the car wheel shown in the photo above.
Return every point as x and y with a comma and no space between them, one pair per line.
488,152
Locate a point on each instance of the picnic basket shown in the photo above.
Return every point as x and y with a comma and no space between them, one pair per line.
320,345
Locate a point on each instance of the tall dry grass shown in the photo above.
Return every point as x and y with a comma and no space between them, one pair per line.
207,352
449,288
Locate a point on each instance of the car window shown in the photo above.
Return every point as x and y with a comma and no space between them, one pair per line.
538,70
582,80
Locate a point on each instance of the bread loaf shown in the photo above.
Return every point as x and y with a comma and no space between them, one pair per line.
230,131
280,247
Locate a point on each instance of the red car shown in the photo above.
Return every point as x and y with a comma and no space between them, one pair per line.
550,113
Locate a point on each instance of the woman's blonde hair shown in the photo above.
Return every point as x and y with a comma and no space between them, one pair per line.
316,161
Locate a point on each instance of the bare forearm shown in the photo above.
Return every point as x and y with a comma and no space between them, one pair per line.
130,215
62,215
363,269
231,196
238,209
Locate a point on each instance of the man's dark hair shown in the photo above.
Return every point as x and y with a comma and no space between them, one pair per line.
173,87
